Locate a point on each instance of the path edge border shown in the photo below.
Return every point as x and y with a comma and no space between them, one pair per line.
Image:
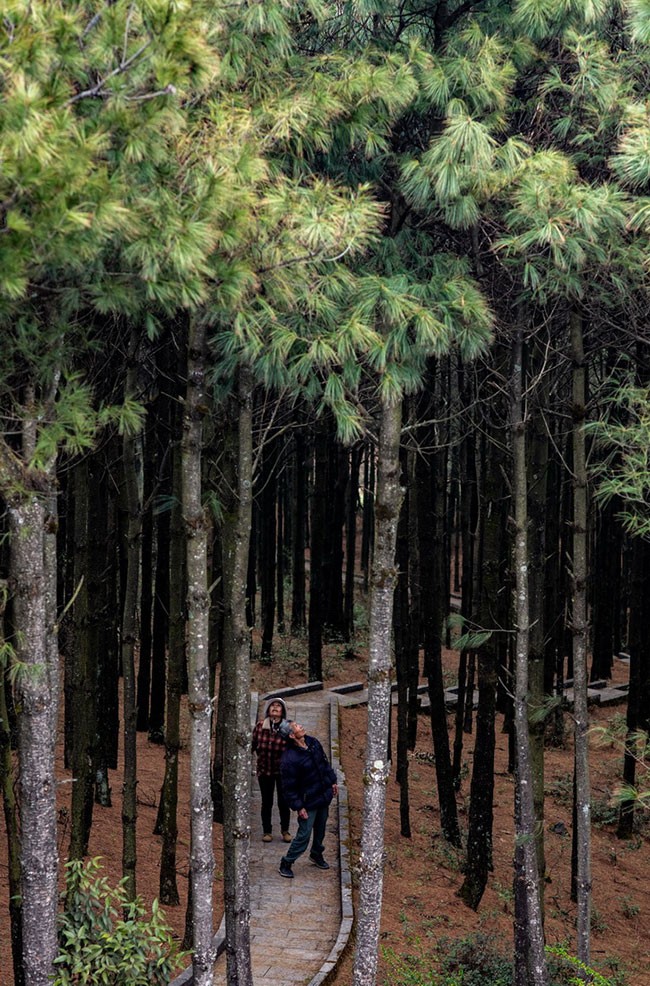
347,911
345,882
186,977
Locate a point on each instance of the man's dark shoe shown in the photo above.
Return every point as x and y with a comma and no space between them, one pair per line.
319,862
285,869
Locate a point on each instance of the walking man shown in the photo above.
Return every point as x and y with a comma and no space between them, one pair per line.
308,785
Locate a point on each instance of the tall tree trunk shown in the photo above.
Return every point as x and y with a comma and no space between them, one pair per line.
352,499
468,536
199,698
530,962
267,506
580,633
280,542
367,530
217,761
102,643
430,506
606,588
146,590
337,481
236,683
637,645
39,851
251,585
377,768
489,566
228,455
537,473
10,807
415,609
554,578
129,637
299,505
68,624
29,495
50,570
107,618
167,816
166,442
403,641
317,525
84,678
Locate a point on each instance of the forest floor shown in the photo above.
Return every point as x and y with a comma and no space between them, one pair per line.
421,910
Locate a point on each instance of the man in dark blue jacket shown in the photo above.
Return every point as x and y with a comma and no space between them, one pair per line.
308,785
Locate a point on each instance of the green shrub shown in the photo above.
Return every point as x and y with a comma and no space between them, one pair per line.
107,940
481,960
472,961
477,960
409,970
567,970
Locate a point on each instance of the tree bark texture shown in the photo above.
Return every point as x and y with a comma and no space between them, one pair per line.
488,615
84,676
403,639
318,521
430,480
168,823
414,586
280,540
337,481
606,580
299,507
367,531
199,698
10,809
228,456
129,635
267,502
377,768
530,965
166,439
236,683
537,474
102,642
637,644
468,535
146,589
554,578
34,697
351,502
580,635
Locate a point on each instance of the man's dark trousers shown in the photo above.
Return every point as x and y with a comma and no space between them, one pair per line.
316,821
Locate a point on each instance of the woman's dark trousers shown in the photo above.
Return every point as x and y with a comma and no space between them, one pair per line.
268,785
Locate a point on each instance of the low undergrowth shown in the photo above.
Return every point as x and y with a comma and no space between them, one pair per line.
483,960
106,939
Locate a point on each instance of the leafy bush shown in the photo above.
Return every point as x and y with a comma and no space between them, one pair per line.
107,940
567,970
475,961
472,961
409,970
479,960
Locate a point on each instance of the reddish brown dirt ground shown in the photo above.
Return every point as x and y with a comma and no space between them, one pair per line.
422,874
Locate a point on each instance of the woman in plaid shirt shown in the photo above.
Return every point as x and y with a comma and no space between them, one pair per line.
269,746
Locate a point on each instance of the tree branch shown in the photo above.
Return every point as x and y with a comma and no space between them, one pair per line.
96,90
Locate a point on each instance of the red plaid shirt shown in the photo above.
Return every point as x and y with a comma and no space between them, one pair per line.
269,747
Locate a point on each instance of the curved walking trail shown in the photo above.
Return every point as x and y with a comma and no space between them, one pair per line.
298,927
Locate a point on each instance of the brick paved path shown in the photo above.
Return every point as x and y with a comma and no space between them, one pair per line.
294,923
